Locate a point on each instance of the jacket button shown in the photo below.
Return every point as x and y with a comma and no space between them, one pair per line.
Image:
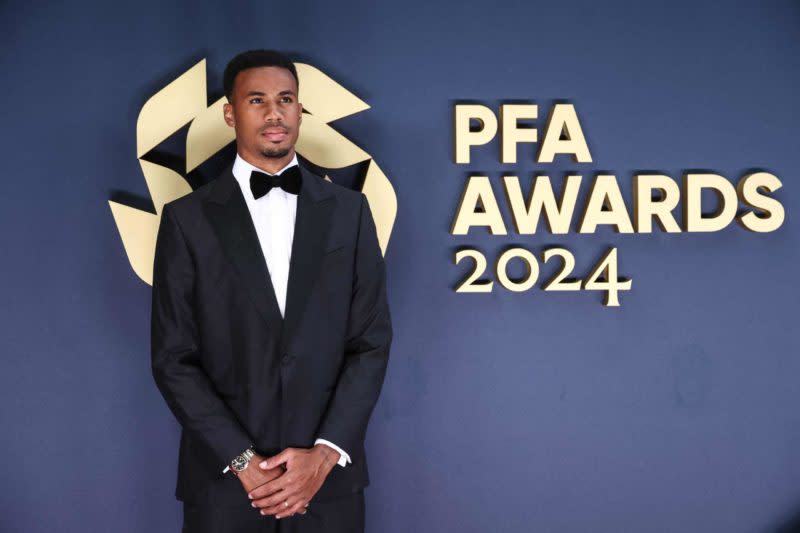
286,359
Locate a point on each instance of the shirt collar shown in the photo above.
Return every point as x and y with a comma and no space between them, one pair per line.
242,169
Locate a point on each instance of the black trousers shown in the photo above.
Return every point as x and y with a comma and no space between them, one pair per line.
344,514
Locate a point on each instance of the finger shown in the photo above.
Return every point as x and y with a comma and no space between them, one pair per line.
283,490
270,487
293,509
274,503
275,460
297,508
274,510
281,509
277,502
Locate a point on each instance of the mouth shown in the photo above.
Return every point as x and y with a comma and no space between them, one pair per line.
274,134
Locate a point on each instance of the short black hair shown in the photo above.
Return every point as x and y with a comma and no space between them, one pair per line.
253,59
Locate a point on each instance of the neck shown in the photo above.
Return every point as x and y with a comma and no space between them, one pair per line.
267,164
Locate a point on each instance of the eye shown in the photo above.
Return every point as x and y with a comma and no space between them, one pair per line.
255,100
286,99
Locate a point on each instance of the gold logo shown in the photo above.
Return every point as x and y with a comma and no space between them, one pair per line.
184,101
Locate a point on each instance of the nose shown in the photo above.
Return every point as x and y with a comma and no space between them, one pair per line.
271,113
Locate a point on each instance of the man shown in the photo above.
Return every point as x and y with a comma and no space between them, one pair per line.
270,326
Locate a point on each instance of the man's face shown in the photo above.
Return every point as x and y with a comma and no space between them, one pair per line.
265,113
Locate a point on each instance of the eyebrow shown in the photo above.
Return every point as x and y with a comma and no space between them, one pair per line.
259,93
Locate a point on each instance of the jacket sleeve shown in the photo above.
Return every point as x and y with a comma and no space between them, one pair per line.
176,362
369,336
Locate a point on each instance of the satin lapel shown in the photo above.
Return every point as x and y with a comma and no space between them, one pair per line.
312,224
231,220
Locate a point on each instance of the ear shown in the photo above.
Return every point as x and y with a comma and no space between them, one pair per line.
227,112
300,120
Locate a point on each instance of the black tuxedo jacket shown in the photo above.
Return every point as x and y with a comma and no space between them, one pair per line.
232,370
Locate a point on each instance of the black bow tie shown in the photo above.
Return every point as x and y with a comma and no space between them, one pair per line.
289,180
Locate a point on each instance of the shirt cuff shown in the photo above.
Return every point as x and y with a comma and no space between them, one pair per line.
343,457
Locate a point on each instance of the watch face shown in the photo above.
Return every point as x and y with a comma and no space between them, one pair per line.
240,463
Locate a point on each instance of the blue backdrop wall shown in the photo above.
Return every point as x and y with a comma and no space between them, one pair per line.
677,411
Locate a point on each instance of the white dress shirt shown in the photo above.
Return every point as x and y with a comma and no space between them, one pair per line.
273,216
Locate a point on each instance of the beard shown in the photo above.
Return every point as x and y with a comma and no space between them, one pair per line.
275,153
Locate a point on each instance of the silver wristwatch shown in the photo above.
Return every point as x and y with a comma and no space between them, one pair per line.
240,462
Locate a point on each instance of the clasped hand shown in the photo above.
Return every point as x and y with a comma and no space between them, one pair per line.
284,484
